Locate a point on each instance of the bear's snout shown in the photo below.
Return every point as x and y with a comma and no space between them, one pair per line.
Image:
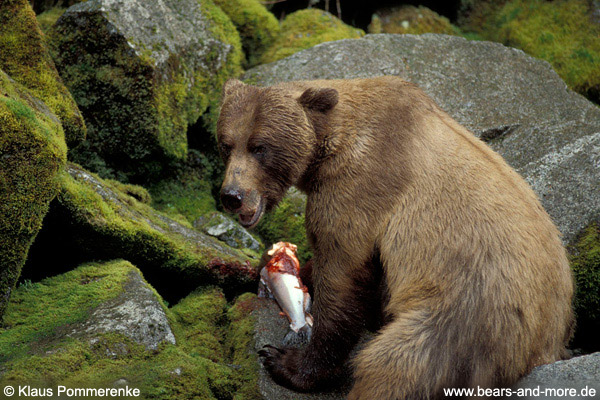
231,198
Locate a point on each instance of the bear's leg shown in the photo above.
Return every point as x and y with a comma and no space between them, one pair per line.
400,363
341,311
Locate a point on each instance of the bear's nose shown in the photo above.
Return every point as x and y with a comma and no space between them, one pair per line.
231,199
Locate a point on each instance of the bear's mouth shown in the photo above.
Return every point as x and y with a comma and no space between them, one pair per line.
249,221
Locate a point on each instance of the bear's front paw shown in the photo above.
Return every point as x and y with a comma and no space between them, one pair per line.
286,368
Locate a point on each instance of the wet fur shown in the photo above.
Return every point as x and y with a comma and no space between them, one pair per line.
477,284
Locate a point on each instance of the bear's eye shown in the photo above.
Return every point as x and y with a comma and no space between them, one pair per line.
225,150
258,151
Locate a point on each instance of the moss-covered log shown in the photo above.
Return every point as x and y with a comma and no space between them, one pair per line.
32,152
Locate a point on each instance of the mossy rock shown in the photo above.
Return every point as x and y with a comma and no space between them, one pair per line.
92,219
33,151
35,350
258,28
411,20
240,341
585,262
306,28
286,223
25,58
560,32
42,313
142,73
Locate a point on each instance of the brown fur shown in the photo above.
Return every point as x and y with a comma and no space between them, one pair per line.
478,286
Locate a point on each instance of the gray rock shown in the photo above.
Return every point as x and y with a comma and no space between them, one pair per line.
136,313
517,103
227,230
556,380
141,71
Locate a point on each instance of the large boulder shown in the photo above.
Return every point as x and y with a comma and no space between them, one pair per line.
93,219
32,152
517,103
141,72
24,57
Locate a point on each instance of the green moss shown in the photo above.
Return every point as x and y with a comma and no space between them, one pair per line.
37,311
197,318
138,115
32,150
139,231
558,32
240,342
256,25
306,28
286,223
585,262
193,368
188,193
137,192
411,20
24,57
49,17
92,219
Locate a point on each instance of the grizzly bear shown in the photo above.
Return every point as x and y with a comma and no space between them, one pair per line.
408,213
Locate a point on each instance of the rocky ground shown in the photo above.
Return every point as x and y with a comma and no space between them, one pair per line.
118,267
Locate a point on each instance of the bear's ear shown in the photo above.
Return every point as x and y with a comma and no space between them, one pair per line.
231,85
319,99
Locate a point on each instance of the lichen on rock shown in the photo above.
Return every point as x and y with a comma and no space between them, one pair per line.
306,28
141,72
32,152
25,58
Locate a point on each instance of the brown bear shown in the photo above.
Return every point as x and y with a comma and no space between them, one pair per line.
407,210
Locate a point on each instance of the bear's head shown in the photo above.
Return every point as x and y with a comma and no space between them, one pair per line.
268,137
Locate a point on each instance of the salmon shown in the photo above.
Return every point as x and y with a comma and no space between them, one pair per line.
281,278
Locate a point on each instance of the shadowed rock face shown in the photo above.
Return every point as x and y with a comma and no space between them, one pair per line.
548,133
